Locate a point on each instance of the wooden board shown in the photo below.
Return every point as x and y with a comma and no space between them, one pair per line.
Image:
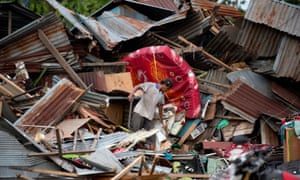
118,82
268,136
291,145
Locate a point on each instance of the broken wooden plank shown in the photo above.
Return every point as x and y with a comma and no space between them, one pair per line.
128,168
176,176
46,171
60,59
57,153
188,131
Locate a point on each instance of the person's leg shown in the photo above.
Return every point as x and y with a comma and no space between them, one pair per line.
137,122
148,125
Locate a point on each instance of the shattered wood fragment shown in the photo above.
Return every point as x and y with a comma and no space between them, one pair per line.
87,113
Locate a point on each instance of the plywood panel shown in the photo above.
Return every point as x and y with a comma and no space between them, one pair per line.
119,82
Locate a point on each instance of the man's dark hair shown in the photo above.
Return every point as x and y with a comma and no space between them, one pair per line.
168,82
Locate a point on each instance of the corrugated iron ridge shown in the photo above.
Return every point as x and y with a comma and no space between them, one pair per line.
258,39
287,62
51,107
276,14
15,154
247,100
223,10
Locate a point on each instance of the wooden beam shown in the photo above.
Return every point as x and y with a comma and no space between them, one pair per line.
57,153
61,59
211,57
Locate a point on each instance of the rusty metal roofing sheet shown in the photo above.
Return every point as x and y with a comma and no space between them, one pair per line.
223,10
287,62
287,95
276,14
95,79
25,45
110,29
50,108
250,104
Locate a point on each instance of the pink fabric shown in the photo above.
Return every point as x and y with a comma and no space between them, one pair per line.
155,63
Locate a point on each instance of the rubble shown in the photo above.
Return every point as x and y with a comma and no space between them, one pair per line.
64,106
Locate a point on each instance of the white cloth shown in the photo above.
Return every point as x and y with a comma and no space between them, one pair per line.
150,98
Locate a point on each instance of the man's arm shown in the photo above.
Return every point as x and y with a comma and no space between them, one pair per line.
134,90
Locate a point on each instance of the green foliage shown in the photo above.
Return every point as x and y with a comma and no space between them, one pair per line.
85,7
293,1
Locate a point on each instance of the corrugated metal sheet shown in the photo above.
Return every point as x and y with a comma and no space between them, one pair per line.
287,62
95,79
250,104
258,39
25,45
217,77
50,108
276,14
256,81
111,29
13,153
223,10
225,48
189,26
268,43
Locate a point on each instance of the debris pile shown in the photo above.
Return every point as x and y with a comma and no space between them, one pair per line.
64,105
